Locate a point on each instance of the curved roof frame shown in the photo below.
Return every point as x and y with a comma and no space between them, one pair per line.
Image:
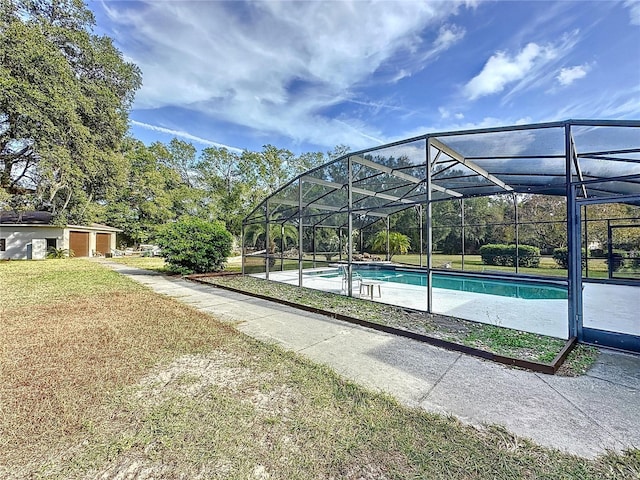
605,162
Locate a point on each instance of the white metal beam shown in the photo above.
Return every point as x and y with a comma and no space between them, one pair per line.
324,183
576,164
469,164
319,206
384,196
385,169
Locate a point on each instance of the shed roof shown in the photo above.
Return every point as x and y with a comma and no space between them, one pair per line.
39,218
26,218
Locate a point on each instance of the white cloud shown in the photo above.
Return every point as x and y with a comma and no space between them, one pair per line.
544,71
448,36
502,69
634,11
181,134
272,66
445,114
570,74
535,66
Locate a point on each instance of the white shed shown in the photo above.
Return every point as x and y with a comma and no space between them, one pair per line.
30,234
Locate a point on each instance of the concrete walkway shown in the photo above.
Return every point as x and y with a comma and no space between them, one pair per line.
585,415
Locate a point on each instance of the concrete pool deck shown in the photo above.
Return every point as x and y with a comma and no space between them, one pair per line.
608,307
585,415
545,317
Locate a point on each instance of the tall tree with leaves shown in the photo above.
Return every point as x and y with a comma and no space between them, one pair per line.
145,200
237,182
180,158
64,100
219,175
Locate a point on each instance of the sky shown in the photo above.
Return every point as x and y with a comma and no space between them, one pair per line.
311,75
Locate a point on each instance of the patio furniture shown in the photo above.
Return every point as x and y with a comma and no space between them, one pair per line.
369,286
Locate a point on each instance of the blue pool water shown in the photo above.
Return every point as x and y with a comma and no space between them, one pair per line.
489,286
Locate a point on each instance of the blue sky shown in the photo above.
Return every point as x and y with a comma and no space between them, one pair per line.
310,75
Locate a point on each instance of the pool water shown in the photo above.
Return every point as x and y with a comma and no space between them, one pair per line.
489,286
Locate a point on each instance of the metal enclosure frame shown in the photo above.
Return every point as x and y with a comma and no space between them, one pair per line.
585,161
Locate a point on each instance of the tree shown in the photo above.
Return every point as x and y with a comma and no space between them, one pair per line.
195,245
285,234
219,175
409,223
544,218
179,157
598,230
399,244
236,182
64,100
147,197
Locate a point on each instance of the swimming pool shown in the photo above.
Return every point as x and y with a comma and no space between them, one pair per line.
490,286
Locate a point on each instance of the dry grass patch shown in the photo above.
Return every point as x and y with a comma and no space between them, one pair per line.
60,361
129,384
148,263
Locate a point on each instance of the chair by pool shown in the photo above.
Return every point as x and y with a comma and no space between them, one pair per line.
368,286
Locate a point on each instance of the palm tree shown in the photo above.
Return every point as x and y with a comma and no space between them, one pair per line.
398,243
277,232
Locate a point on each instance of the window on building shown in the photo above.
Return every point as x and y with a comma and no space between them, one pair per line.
3,244
52,242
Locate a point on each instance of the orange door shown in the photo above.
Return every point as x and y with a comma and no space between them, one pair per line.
103,243
79,243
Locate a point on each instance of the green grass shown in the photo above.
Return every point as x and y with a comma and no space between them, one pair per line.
148,263
36,282
105,379
579,361
512,342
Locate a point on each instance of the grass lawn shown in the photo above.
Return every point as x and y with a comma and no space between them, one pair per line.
101,378
148,263
234,264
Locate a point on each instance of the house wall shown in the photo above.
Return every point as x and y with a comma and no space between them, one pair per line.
18,237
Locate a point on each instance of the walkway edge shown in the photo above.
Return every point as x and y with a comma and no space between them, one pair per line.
546,368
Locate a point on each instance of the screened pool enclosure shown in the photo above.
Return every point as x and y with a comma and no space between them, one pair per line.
533,227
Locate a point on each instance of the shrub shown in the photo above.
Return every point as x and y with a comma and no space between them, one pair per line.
528,256
505,255
617,260
192,245
561,257
493,254
54,252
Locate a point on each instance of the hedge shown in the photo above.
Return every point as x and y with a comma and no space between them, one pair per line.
561,257
617,258
193,245
505,255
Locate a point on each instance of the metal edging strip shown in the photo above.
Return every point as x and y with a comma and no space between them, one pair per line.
547,368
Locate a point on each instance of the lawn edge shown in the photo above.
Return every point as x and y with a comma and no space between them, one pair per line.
539,367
